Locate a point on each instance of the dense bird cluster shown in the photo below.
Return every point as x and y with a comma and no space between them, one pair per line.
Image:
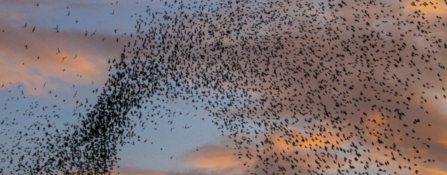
302,87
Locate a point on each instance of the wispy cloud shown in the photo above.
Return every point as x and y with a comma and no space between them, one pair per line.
35,57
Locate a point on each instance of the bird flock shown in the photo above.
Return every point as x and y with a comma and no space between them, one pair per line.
313,87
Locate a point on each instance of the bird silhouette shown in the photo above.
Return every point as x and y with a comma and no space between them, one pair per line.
340,71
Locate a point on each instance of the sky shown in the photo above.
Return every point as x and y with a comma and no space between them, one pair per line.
55,55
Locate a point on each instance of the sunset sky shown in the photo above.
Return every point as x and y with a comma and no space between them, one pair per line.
38,64
54,54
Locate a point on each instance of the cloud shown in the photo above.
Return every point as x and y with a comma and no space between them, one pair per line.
430,8
431,171
137,171
34,58
190,171
213,158
363,108
379,93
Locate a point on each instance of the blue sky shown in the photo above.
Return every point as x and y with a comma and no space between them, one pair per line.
58,58
91,16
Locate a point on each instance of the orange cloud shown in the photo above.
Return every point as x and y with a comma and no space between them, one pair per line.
137,171
431,8
213,158
33,58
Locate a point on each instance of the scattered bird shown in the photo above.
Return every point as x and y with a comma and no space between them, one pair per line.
259,69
